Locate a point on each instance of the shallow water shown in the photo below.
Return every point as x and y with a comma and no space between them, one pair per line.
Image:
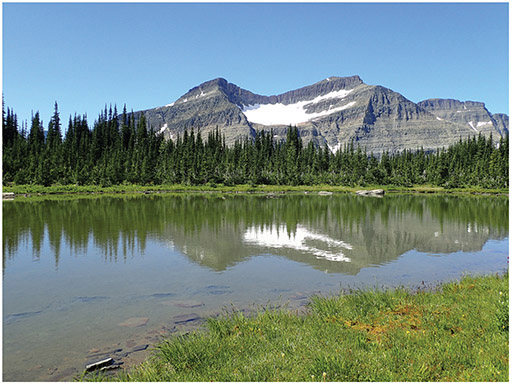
88,276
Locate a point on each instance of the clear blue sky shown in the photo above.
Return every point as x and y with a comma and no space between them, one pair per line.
145,55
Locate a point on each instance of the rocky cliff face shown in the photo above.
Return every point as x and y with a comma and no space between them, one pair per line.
468,113
501,121
331,112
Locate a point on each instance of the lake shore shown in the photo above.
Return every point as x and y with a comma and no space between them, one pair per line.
457,331
31,190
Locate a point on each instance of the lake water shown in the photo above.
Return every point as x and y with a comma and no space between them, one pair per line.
85,278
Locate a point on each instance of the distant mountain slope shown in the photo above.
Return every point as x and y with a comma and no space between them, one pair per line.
332,112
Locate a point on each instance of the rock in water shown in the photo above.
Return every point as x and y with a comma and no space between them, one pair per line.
13,317
99,364
131,343
187,304
135,322
162,295
142,347
184,318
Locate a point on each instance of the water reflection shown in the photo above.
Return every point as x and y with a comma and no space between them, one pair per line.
339,233
302,240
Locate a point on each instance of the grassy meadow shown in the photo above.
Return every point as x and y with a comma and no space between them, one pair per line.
246,188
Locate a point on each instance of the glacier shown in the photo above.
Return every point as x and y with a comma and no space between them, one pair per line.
293,114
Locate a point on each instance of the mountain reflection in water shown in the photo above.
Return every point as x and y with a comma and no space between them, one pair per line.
302,240
338,233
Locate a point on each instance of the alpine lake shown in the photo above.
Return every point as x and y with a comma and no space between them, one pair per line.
91,277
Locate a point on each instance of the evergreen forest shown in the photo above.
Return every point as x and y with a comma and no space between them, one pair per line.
119,149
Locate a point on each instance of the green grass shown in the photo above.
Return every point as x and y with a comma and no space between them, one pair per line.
129,188
459,332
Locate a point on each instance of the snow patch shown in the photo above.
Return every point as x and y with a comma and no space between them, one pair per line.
483,124
171,104
472,126
323,246
334,148
293,114
162,129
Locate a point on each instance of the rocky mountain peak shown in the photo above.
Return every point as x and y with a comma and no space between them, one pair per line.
321,88
206,88
242,97
345,82
467,113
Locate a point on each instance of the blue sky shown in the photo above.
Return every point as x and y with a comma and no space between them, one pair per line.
145,55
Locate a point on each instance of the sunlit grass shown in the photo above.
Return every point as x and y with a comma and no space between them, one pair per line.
459,332
130,188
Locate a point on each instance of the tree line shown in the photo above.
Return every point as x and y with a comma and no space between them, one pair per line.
121,149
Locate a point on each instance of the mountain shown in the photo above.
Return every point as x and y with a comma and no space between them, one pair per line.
332,112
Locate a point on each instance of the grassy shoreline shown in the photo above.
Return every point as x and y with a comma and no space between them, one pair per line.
457,332
95,189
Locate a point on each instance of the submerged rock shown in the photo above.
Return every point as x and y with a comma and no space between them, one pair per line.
131,343
185,304
215,290
141,347
89,299
65,375
277,290
162,295
216,287
185,318
298,296
14,317
135,322
104,354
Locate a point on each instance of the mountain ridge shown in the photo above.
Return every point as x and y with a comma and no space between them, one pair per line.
333,112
